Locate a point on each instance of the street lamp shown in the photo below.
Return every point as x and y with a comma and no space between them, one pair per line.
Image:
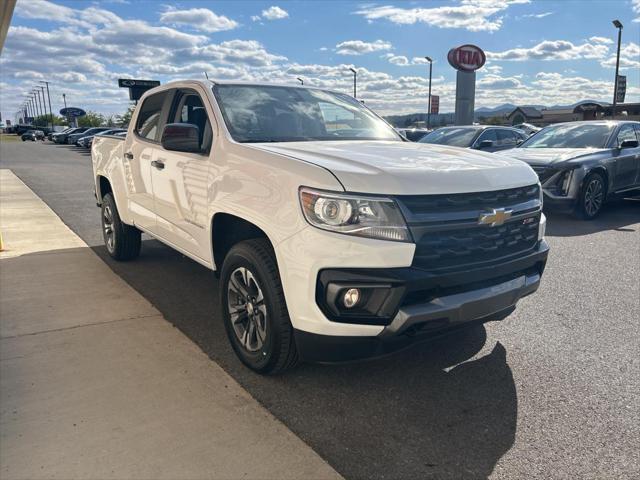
618,25
355,76
49,98
429,110
300,80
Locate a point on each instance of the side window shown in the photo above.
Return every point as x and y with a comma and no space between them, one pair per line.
506,138
188,108
148,123
625,133
489,134
638,132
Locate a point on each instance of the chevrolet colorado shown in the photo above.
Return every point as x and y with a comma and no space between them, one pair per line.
333,238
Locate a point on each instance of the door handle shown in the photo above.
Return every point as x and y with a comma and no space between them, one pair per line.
128,155
157,164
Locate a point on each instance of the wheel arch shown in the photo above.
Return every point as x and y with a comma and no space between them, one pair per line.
103,186
226,231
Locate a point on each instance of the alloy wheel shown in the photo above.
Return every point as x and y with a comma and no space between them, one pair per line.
107,225
593,197
248,312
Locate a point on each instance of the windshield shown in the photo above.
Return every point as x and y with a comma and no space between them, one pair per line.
571,136
454,136
255,113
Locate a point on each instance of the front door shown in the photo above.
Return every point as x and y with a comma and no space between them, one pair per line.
180,179
139,149
626,166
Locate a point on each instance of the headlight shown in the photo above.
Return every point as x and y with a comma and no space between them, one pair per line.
542,226
354,215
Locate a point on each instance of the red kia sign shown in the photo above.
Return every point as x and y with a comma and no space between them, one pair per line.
467,57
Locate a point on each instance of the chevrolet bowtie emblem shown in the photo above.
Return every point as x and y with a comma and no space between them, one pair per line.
496,216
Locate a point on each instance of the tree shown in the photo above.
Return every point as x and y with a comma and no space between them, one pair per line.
124,119
91,119
45,120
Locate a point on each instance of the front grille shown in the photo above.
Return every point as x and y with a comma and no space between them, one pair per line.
421,204
448,235
451,248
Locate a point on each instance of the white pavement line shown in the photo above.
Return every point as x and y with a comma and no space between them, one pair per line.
95,383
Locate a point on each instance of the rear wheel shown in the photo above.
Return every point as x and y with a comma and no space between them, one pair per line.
592,196
122,241
254,309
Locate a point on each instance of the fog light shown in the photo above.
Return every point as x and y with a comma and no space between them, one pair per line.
351,297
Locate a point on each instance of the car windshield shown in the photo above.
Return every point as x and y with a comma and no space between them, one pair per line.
453,136
569,135
255,113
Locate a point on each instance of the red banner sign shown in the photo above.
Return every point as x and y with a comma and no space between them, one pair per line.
435,104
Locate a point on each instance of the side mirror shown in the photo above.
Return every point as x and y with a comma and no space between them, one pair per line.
486,144
629,144
181,137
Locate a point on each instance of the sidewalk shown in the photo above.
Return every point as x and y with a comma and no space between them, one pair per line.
94,383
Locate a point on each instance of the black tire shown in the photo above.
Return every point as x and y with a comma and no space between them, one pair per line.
592,196
122,241
275,351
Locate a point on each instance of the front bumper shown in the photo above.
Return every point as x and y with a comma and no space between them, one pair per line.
430,304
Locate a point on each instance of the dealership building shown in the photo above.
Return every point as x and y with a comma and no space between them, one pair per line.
583,111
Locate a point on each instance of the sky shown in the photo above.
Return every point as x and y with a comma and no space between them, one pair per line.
540,52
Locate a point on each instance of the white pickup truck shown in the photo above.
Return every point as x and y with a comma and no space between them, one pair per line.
334,239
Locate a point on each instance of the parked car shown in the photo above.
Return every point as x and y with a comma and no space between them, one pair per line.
32,135
87,140
62,137
330,244
51,135
477,137
413,134
581,165
527,128
73,138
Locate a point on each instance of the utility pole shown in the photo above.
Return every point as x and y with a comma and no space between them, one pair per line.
618,25
355,76
429,110
44,102
49,98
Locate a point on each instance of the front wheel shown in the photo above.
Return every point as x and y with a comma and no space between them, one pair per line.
592,197
254,309
122,241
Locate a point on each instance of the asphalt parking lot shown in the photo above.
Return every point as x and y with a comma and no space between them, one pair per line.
550,392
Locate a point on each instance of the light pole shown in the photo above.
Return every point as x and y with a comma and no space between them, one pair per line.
64,99
355,79
618,25
300,80
429,111
37,94
49,98
44,103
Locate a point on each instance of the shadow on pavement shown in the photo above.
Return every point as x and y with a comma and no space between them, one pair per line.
616,215
421,413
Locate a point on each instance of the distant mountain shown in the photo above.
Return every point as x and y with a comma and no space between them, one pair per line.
504,106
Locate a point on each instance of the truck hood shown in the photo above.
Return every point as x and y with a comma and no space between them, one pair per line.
547,156
405,168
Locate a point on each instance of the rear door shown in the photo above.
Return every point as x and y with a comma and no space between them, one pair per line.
180,179
139,150
507,139
626,159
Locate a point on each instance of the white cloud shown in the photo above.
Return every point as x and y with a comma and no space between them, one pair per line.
255,18
537,15
274,13
472,15
635,6
604,40
198,18
552,50
629,57
358,47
